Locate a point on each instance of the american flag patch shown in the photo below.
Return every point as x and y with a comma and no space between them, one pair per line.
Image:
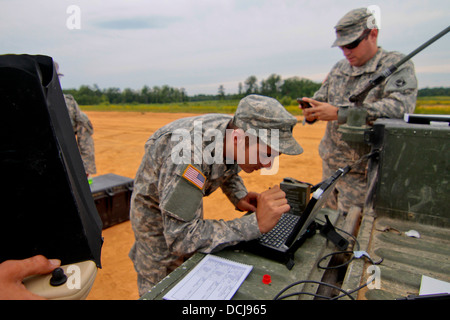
194,176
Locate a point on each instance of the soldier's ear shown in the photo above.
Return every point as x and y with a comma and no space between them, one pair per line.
374,34
238,136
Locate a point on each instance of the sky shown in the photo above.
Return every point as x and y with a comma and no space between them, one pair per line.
200,45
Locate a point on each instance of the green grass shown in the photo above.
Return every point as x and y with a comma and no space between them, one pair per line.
427,105
434,100
433,105
227,106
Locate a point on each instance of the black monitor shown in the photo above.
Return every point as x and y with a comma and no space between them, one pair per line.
46,204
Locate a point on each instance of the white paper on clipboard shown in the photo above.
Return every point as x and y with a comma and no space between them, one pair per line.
433,286
213,278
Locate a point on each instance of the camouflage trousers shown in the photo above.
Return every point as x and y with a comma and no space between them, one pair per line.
350,190
146,282
150,272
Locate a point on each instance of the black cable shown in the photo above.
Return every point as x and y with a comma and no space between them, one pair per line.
277,297
344,293
347,233
346,263
332,254
303,292
351,291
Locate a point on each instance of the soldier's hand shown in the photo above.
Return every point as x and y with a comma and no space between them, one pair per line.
320,111
272,204
249,202
12,272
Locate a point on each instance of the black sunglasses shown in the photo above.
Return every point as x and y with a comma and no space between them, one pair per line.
356,43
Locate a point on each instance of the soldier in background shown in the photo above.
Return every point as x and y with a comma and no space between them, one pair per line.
166,205
83,129
356,36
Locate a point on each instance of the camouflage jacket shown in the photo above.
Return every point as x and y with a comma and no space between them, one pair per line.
390,99
166,206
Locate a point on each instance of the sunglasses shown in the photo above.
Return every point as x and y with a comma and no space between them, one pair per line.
356,43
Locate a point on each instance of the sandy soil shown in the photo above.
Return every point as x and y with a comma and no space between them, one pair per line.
119,146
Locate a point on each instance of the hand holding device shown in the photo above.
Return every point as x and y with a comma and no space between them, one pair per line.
305,105
69,282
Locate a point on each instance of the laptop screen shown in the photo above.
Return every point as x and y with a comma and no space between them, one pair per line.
315,204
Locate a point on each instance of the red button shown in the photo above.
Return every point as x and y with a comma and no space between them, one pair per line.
266,279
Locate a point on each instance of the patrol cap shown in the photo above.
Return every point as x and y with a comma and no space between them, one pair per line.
352,25
260,112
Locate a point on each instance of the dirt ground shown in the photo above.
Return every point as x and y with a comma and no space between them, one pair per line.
119,146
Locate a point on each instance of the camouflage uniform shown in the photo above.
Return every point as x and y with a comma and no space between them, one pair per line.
391,99
83,129
166,205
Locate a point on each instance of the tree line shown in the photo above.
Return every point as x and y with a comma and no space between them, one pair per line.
274,86
92,95
433,92
285,90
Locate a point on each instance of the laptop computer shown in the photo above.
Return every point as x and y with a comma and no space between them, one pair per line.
292,230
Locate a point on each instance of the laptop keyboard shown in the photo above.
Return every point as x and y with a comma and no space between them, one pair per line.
279,234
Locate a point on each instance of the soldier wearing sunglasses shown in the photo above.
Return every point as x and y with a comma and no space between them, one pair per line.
356,36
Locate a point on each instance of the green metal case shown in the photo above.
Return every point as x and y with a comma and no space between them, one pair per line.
413,171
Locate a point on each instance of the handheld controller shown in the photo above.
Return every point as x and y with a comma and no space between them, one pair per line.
68,282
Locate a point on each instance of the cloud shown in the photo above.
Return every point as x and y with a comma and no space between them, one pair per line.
149,22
